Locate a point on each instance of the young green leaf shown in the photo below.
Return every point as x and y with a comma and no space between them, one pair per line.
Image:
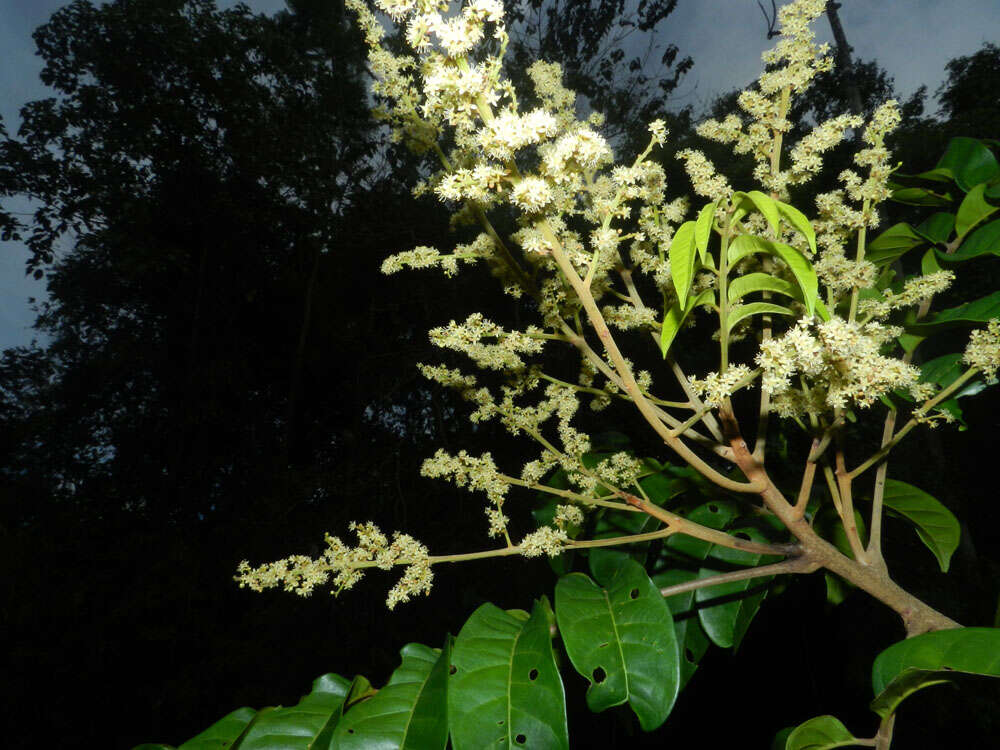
767,207
762,282
798,220
972,211
505,690
674,318
409,713
703,229
620,636
755,308
915,196
820,733
931,659
799,265
683,255
936,526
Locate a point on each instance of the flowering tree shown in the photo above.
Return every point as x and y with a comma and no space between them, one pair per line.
814,330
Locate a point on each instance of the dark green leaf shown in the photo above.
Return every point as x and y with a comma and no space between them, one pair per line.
299,727
983,241
969,161
223,733
931,659
505,690
972,211
937,227
683,255
727,609
915,196
936,526
621,638
692,641
611,523
820,733
893,243
409,713
978,311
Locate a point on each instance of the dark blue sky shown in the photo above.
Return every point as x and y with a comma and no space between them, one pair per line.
912,39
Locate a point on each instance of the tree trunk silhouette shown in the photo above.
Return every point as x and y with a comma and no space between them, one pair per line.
844,63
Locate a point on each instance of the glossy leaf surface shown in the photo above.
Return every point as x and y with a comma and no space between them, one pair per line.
936,526
973,210
223,733
620,636
819,733
409,713
505,691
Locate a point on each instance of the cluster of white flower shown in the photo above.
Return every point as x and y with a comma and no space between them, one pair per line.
914,291
839,363
627,317
620,470
544,541
715,388
429,257
983,350
468,337
792,64
468,471
568,515
302,574
705,179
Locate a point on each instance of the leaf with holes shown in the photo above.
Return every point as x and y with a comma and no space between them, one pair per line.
620,636
683,255
409,713
727,609
819,733
224,732
973,210
931,659
505,690
936,526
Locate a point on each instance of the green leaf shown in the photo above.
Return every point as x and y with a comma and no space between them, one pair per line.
930,659
299,727
983,241
621,638
737,313
798,220
929,263
692,641
727,609
409,713
223,733
762,282
937,227
915,196
682,259
674,318
973,210
936,526
820,733
505,690
977,311
837,588
969,161
612,523
703,229
799,265
153,746
893,243
767,207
